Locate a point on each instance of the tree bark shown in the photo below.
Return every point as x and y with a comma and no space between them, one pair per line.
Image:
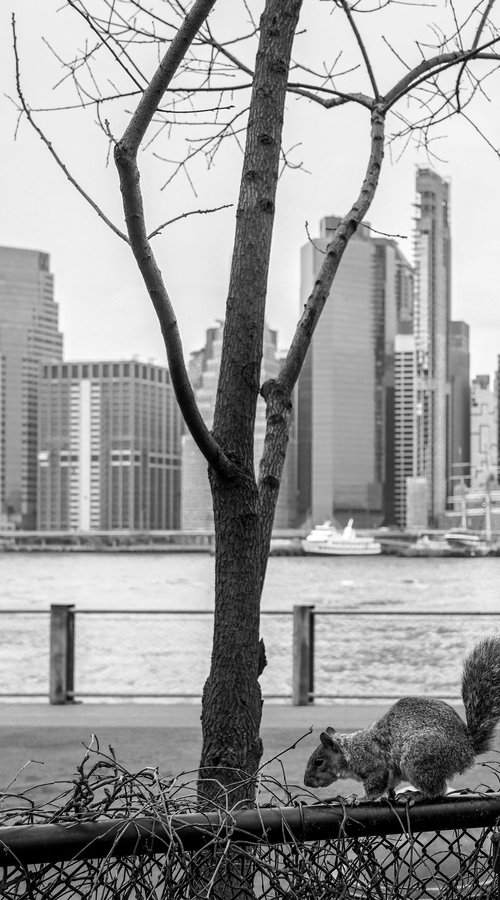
232,702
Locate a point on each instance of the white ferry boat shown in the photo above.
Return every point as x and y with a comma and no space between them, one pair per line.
326,540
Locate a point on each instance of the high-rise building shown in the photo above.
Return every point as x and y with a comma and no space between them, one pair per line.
431,326
345,428
109,447
405,408
483,434
204,372
196,503
392,289
459,408
29,336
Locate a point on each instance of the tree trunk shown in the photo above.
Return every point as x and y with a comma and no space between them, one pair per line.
232,702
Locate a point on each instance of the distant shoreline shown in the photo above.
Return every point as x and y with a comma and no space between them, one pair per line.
85,548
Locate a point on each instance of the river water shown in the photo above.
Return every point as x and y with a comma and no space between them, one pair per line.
356,656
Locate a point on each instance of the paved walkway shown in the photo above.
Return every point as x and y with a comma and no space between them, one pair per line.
42,745
184,715
166,735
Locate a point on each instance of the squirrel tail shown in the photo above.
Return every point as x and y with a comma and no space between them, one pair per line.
481,692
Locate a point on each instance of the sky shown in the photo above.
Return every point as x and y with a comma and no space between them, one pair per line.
104,309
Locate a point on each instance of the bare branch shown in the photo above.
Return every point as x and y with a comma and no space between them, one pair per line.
345,6
482,23
431,67
475,44
91,23
169,65
481,133
126,163
402,237
207,146
313,242
396,54
334,253
27,112
192,212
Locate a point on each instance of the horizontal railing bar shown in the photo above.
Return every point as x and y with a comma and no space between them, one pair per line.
371,697
24,694
381,612
23,845
316,696
264,612
144,612
135,612
83,693
169,612
24,612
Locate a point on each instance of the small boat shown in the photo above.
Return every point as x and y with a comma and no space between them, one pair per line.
469,543
326,540
426,546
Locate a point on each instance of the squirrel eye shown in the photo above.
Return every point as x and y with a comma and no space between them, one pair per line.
318,761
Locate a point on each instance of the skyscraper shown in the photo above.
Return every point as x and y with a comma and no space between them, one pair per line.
109,447
483,433
405,399
431,327
204,371
345,424
29,335
459,410
393,312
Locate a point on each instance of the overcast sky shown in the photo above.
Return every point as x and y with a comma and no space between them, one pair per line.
104,311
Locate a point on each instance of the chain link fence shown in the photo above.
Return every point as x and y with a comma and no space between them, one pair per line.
116,834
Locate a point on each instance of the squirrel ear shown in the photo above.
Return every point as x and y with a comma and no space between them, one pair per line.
330,730
327,740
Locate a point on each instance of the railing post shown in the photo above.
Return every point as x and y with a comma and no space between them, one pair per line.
495,858
303,655
62,653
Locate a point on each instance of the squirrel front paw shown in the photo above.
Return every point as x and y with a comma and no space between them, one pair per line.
352,800
409,798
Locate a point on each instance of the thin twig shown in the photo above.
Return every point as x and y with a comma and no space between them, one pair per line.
361,45
192,212
27,112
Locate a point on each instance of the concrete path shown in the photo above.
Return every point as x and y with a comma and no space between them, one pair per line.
185,715
42,745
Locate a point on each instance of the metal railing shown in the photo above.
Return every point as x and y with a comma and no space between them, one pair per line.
437,849
31,844
62,649
303,692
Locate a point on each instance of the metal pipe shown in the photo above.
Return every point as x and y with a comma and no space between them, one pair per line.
24,845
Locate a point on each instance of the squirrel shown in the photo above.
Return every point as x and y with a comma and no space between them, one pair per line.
420,740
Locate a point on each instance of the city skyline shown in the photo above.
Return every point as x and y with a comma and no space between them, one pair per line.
358,412
104,307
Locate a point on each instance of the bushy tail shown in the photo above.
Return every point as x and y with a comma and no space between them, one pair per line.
481,692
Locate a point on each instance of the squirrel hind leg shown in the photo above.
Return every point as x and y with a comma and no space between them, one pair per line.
427,781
